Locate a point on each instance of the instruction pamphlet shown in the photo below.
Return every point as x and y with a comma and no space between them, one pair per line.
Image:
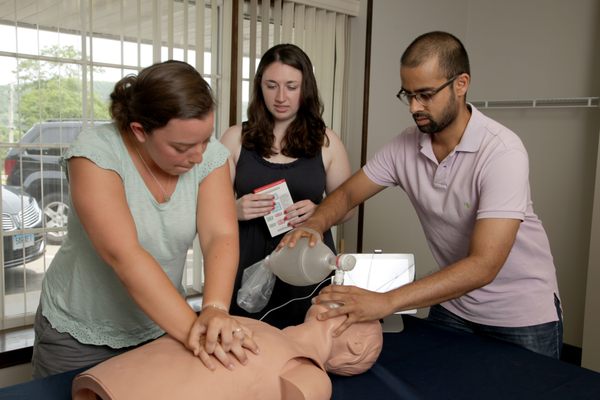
281,196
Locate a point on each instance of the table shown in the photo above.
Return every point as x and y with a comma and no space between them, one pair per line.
426,362
423,362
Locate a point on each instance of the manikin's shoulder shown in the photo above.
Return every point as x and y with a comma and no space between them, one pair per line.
303,380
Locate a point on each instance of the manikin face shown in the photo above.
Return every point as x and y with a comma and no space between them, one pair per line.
179,145
356,349
281,88
441,111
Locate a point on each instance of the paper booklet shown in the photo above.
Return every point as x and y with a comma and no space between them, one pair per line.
281,196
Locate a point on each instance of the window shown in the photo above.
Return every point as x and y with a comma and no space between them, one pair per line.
59,61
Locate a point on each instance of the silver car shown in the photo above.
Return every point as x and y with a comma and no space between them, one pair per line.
20,211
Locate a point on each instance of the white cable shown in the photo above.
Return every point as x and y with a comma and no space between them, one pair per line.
379,289
297,298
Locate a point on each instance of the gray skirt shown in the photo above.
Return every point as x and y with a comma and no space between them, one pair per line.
55,352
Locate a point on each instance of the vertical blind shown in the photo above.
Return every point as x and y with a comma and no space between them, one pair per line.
319,28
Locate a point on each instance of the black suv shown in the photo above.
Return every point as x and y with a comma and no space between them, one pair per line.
35,166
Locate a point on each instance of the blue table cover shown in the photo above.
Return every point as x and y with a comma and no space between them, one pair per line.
422,362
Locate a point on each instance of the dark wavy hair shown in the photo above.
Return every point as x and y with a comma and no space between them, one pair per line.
449,50
305,135
159,93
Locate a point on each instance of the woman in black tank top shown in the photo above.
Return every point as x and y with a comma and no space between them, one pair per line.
285,137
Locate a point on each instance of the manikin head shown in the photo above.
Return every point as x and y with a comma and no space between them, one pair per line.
356,349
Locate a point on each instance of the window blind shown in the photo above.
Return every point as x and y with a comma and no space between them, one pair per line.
321,31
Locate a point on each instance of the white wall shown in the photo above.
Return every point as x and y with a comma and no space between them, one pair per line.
352,124
518,50
591,327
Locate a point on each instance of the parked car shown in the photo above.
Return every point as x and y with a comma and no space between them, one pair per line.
35,166
20,210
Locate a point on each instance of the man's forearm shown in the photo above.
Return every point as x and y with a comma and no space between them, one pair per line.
337,204
333,209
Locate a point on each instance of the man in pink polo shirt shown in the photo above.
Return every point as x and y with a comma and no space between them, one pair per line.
467,177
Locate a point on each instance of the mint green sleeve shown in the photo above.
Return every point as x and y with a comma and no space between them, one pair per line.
214,156
101,145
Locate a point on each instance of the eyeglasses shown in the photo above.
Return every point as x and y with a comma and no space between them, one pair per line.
425,97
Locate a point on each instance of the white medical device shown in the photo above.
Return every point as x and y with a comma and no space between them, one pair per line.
381,272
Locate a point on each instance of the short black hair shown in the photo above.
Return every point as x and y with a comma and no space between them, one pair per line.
447,48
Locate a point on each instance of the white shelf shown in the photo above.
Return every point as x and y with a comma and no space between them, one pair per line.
573,102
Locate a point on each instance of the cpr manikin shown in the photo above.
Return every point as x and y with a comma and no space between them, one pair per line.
292,364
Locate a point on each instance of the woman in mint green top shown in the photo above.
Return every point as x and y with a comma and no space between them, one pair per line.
141,189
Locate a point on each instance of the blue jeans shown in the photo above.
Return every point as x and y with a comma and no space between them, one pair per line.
546,339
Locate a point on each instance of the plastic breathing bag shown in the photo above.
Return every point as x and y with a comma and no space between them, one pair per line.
257,287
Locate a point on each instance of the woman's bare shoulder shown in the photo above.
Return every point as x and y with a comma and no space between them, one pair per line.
334,144
233,134
232,139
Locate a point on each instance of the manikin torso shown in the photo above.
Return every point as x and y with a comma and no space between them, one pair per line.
290,366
